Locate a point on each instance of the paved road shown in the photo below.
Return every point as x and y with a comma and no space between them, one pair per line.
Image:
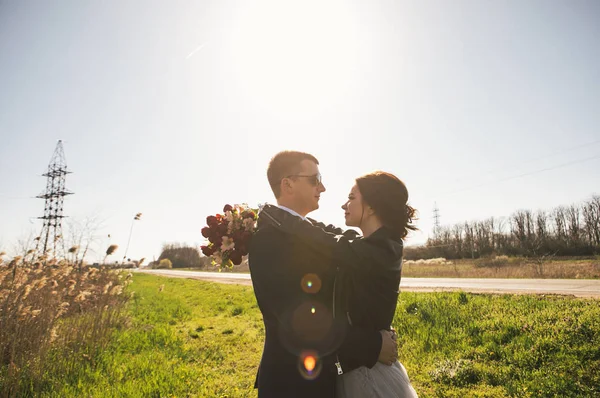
576,287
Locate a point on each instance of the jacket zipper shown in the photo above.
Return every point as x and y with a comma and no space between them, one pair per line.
338,365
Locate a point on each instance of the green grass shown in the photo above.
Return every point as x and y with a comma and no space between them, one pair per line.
200,339
457,345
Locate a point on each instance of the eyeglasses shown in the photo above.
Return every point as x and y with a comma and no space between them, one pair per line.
314,179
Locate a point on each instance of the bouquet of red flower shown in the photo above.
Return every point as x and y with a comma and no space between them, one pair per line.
229,234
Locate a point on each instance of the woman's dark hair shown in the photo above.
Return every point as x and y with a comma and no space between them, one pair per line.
388,197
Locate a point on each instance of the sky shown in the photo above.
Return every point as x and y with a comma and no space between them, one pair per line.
173,109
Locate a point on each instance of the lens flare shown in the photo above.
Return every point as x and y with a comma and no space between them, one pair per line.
309,365
311,283
311,322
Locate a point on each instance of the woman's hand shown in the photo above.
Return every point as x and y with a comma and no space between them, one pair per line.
389,348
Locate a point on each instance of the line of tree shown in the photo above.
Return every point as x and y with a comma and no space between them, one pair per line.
183,256
563,231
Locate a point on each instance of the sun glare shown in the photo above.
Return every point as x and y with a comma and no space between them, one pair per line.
294,55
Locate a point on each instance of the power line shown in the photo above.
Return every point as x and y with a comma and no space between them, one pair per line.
14,197
490,171
524,174
435,216
515,177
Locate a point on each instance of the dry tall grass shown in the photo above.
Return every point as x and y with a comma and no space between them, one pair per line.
52,314
503,267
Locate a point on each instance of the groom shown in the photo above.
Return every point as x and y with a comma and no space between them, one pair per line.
294,288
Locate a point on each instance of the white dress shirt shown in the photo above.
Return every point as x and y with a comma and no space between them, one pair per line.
292,212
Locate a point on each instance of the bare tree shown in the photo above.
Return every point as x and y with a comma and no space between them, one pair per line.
591,218
82,233
573,224
491,224
25,246
482,238
519,227
564,230
560,222
541,229
457,234
530,227
469,238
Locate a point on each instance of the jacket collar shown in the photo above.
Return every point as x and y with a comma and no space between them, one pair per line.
383,233
292,212
385,236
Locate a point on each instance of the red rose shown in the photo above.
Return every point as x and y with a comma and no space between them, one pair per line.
206,232
236,235
212,221
246,237
207,250
216,238
227,208
242,249
249,214
236,257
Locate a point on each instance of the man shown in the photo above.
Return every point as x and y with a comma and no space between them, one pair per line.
294,288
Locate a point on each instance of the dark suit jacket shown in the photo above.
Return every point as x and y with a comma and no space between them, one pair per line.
298,316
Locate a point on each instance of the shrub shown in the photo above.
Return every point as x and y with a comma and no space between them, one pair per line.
182,256
431,261
165,263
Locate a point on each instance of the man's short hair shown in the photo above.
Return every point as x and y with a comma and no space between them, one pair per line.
284,164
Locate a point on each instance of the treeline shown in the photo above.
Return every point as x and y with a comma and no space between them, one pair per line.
563,231
182,256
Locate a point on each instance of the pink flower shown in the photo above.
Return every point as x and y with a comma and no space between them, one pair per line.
249,214
249,224
227,244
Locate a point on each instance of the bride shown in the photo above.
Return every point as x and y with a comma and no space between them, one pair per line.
369,272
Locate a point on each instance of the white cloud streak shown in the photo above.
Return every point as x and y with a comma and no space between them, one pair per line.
195,50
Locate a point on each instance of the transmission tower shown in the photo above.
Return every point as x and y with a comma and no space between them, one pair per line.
436,220
50,241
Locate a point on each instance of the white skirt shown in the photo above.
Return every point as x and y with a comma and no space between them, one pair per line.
381,381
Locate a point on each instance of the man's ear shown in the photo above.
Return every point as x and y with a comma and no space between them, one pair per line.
286,185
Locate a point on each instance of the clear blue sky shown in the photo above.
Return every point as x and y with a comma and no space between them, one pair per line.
173,109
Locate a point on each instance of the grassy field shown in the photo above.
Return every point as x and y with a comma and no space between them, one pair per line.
505,267
188,338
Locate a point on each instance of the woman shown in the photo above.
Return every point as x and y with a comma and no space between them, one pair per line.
369,272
